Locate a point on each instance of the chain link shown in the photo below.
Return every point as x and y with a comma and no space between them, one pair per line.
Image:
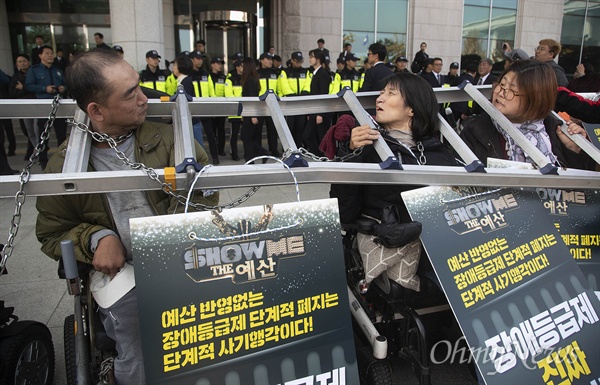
307,154
7,251
152,174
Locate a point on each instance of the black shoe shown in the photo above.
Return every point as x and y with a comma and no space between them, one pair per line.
222,153
235,157
215,161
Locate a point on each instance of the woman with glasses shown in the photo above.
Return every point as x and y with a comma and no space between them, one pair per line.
525,94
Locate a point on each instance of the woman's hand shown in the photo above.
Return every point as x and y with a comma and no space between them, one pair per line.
572,128
579,71
255,121
362,136
319,119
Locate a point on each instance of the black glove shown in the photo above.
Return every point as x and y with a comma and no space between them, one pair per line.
392,233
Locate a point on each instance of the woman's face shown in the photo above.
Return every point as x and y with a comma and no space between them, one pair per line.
176,70
506,97
391,110
312,60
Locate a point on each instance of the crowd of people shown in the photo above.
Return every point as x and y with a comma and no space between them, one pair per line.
115,98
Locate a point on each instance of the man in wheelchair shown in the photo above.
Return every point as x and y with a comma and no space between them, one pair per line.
107,88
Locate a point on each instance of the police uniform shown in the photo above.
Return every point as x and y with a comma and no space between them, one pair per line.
233,89
269,80
218,82
156,80
295,82
347,77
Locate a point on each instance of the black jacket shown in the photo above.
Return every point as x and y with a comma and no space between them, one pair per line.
485,141
353,200
432,80
13,92
374,78
319,85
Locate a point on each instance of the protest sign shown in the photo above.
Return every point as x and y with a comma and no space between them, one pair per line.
245,296
523,304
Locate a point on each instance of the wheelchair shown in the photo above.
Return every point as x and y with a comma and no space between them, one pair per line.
393,322
89,351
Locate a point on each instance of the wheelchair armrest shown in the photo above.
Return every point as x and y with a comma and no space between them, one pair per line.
82,268
362,225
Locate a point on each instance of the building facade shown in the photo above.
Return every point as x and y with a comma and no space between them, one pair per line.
455,30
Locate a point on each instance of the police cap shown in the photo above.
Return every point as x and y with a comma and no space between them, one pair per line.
217,60
266,55
454,65
153,54
117,48
196,55
401,58
297,56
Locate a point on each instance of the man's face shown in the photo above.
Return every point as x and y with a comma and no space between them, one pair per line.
484,68
47,57
437,66
266,62
372,57
423,47
276,63
98,39
349,48
200,47
296,63
351,64
340,66
543,54
453,71
272,50
152,62
320,44
197,62
22,63
39,41
401,65
125,108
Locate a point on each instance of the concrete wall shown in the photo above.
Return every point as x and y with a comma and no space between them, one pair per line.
6,63
297,25
439,24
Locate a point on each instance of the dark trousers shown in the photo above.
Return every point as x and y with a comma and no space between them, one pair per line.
296,125
6,127
272,137
314,133
219,129
251,138
236,124
210,137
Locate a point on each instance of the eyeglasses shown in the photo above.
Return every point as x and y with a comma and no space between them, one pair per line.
369,53
541,48
507,93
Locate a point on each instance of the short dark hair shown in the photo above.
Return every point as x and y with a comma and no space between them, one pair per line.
436,59
346,45
321,40
537,86
379,50
42,48
22,55
101,36
40,36
85,79
201,41
419,96
184,64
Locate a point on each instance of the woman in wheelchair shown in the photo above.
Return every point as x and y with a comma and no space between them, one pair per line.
406,111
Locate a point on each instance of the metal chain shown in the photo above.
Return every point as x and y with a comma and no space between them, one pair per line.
7,251
166,187
307,154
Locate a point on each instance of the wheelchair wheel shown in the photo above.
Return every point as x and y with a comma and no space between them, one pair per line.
371,370
27,358
70,357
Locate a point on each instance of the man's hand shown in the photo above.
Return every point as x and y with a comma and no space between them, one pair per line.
573,129
319,119
61,89
362,136
19,86
109,256
50,89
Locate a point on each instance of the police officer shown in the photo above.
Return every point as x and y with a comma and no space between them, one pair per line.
203,87
153,77
295,81
218,81
452,77
349,76
269,79
233,89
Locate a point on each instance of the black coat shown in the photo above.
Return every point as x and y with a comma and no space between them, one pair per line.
489,80
354,200
374,78
432,80
480,134
319,85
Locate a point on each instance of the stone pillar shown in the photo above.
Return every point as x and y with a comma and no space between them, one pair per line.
169,31
138,26
537,20
439,25
297,25
6,55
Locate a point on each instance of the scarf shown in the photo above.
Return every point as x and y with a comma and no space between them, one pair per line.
535,132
